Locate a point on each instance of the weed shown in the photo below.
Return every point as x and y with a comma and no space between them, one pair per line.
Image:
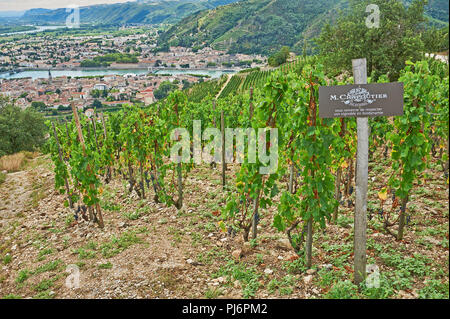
343,290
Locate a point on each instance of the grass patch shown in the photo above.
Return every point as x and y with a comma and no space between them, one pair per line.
107,265
119,244
11,296
343,290
23,275
50,266
7,259
2,178
247,276
45,285
12,163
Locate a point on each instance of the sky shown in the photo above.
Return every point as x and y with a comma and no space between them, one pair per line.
19,5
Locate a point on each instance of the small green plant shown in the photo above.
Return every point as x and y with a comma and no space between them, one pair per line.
213,293
435,289
11,296
7,259
296,266
132,215
284,286
46,294
416,265
247,277
23,275
119,244
345,221
43,253
328,277
343,290
259,259
385,289
2,178
107,265
85,254
69,220
44,285
50,266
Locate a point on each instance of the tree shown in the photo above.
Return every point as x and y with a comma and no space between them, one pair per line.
387,47
38,106
20,130
164,89
280,57
95,93
435,40
97,104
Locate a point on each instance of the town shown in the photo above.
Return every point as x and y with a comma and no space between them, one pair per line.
130,69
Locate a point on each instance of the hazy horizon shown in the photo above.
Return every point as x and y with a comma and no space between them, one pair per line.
14,5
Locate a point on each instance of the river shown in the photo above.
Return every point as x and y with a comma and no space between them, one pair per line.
36,74
38,29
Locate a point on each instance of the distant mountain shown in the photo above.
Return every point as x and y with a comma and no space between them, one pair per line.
252,26
11,13
148,12
263,26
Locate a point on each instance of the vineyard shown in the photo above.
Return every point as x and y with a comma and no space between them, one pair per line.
239,232
200,91
242,82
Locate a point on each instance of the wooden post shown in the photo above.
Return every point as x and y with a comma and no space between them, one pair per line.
362,159
309,239
291,178
337,189
402,219
105,135
251,103
337,193
180,186
95,133
66,183
88,129
142,179
67,133
214,111
104,125
255,219
222,127
256,202
80,136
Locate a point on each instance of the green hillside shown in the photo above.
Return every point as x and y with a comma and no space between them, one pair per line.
147,12
263,26
252,25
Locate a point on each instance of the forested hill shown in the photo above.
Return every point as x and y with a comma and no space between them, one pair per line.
263,26
148,12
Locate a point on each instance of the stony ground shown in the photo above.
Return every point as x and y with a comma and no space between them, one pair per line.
147,250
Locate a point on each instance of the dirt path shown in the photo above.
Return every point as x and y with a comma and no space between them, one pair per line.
19,193
224,86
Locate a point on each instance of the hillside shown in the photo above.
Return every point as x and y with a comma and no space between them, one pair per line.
183,254
149,12
251,26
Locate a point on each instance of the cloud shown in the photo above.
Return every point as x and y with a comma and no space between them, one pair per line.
15,5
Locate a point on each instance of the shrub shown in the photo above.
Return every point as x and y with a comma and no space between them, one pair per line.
20,130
